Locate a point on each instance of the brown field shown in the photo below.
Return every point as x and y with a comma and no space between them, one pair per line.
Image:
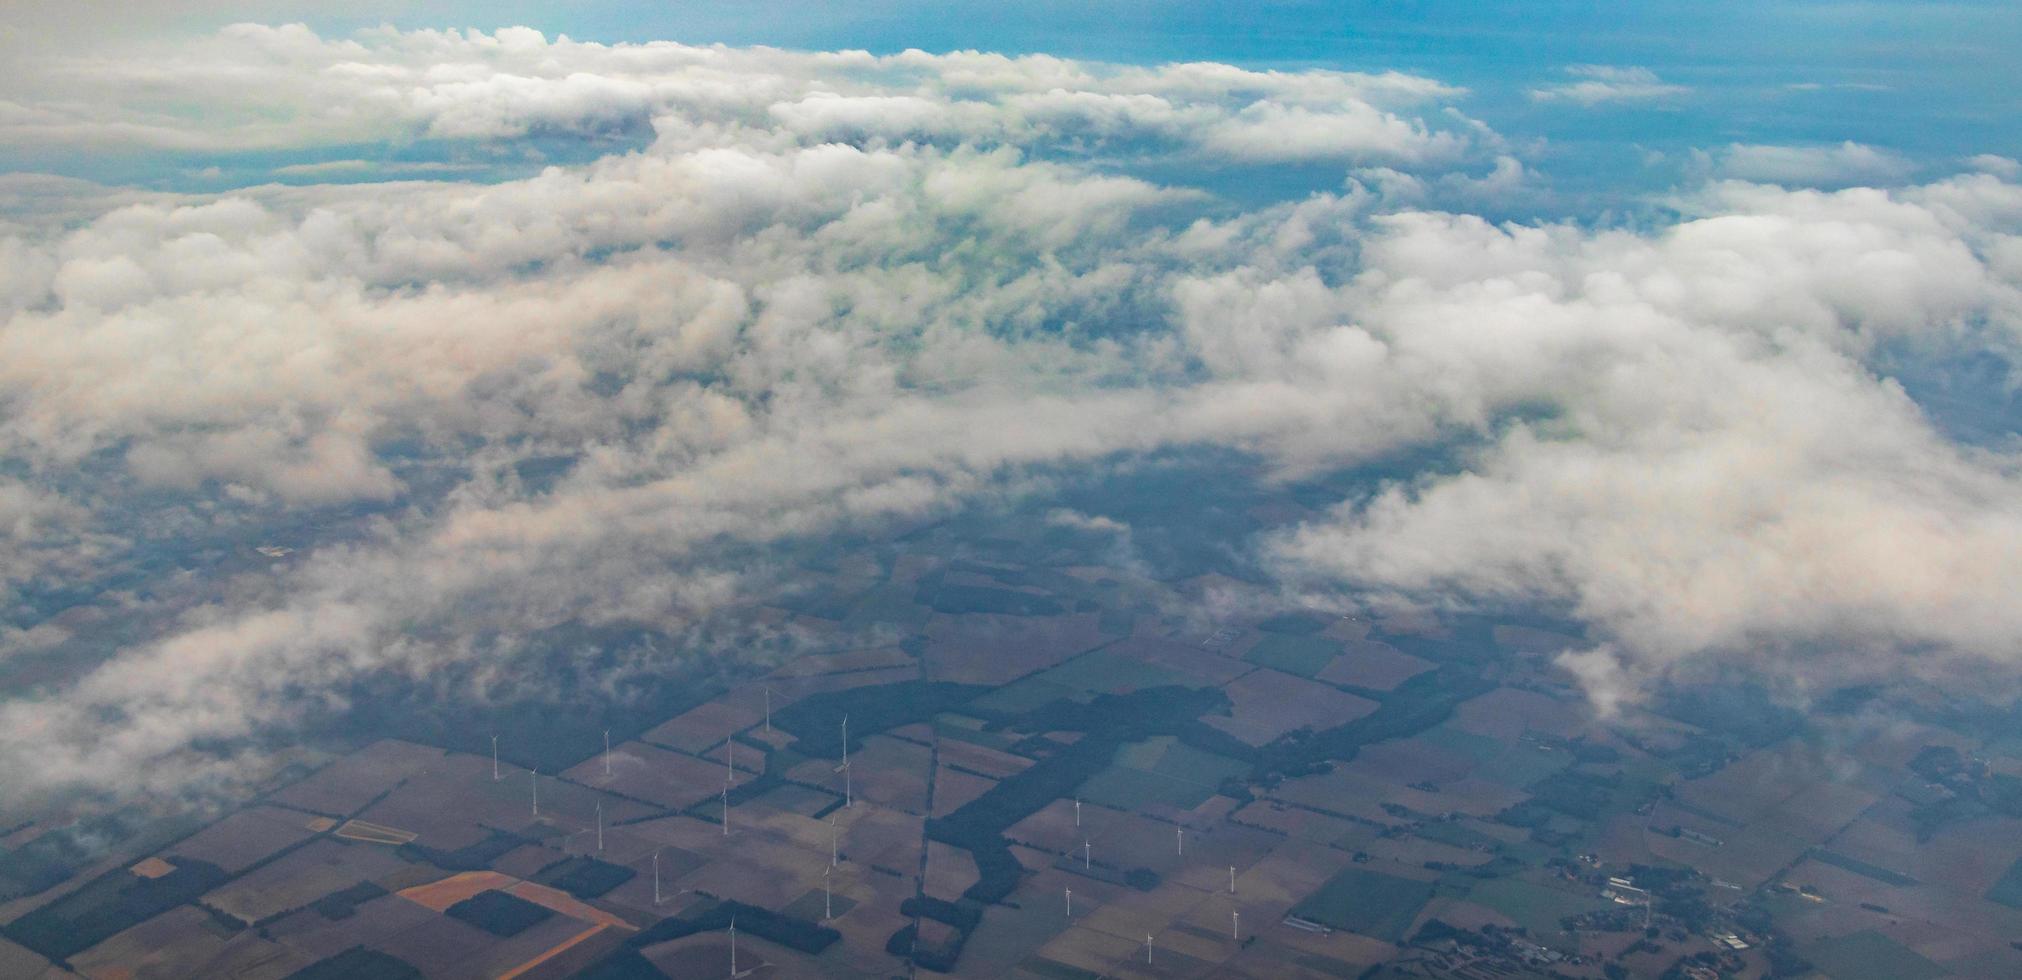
1341,792
444,947
1053,828
1267,703
953,789
1296,822
555,953
892,773
1209,669
302,876
458,804
830,663
372,833
708,955
745,759
182,943
977,648
440,895
704,726
642,771
1372,664
1090,949
950,871
1417,851
343,786
1410,760
800,687
315,937
1507,712
16,961
245,837
153,867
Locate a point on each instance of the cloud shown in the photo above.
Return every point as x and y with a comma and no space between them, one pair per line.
1607,84
2007,168
264,87
831,292
1847,163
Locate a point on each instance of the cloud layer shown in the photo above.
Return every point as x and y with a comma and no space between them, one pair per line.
825,291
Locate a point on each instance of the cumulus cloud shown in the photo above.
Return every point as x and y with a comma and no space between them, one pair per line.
1605,84
830,291
1847,163
276,87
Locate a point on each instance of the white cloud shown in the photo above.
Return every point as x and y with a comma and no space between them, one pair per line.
836,290
1607,84
270,87
2006,168
1847,163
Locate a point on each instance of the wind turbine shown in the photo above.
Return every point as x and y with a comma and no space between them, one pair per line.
826,912
768,709
847,796
1084,856
1181,834
734,974
1235,925
726,811
536,774
607,753
1147,949
1077,811
834,855
1070,903
730,759
600,826
1232,879
494,759
656,877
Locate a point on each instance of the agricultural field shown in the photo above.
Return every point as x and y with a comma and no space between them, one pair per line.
1298,794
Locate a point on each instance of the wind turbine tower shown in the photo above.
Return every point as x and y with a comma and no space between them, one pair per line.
848,797
607,753
536,776
494,759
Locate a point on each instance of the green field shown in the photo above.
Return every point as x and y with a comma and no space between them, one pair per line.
1511,763
1294,653
1876,872
1537,907
2008,891
1101,670
1367,902
1160,770
1021,696
1869,955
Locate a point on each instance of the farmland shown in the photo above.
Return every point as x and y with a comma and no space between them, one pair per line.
1294,793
